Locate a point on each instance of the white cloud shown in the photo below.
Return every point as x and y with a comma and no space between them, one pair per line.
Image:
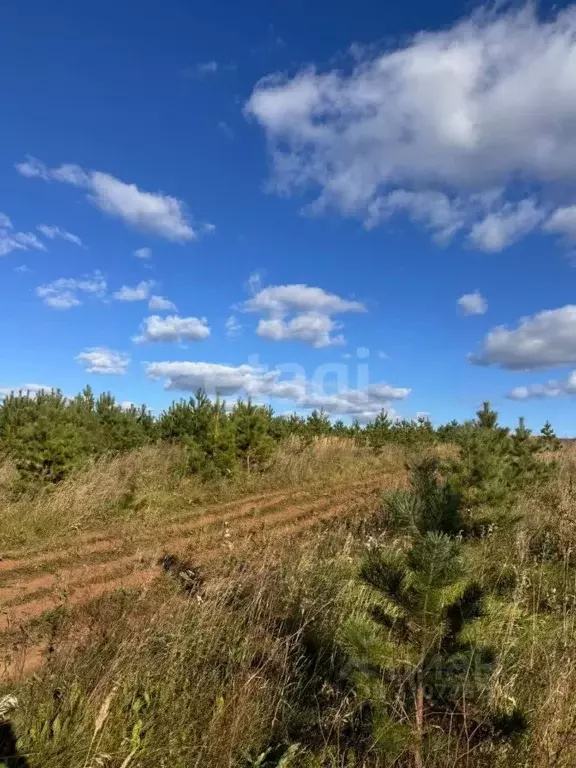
224,379
140,292
173,328
161,304
143,253
69,173
428,126
472,304
280,299
500,229
551,388
10,240
362,403
435,210
157,213
104,360
300,312
33,168
544,340
233,327
309,327
64,292
247,380
53,232
563,222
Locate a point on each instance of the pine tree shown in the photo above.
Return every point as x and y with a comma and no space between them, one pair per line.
428,505
42,438
548,438
480,474
340,429
211,445
379,432
410,658
486,417
252,426
525,468
318,424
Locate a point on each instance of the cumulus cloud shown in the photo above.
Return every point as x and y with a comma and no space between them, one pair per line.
140,292
66,292
143,253
300,312
311,328
104,360
428,126
252,381
161,304
551,388
544,340
52,232
11,240
472,304
157,213
173,328
153,212
280,299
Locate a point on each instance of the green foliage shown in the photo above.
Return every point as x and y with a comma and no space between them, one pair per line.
408,660
525,468
252,425
210,439
48,436
418,655
492,467
409,433
428,505
548,438
318,424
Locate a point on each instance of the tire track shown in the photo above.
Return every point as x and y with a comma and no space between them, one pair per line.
101,542
64,587
193,536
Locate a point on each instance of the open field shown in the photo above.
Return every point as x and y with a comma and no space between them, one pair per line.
66,569
237,649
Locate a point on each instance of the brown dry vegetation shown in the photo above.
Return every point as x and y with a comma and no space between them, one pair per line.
152,485
131,668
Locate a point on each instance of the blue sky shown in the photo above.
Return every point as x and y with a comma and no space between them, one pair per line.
381,196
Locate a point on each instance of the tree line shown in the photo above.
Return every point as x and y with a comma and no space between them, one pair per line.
48,435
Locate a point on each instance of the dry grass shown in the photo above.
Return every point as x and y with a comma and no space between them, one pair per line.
147,486
158,677
172,680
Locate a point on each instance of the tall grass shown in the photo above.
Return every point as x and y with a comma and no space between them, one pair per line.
152,483
248,669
